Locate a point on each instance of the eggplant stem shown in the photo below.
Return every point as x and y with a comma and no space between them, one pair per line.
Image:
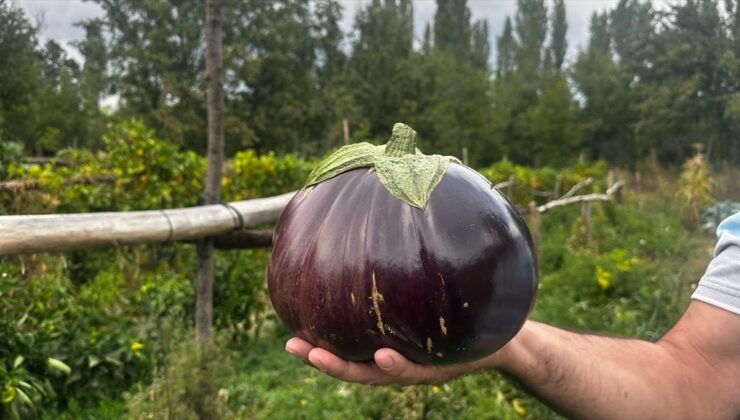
402,142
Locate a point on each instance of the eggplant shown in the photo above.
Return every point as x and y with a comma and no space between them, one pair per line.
402,250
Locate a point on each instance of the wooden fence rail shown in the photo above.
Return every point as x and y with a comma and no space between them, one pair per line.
226,222
67,232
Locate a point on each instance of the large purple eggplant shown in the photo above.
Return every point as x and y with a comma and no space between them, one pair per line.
387,247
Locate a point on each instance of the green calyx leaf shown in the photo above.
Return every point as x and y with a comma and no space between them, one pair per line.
404,171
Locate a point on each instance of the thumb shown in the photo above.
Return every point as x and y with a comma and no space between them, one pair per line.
386,360
394,364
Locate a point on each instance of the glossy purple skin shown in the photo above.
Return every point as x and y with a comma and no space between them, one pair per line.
354,269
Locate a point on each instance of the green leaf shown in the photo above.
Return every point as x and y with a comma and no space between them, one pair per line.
58,365
23,397
346,158
18,361
92,361
26,385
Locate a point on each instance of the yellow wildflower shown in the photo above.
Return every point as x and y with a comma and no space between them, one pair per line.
603,277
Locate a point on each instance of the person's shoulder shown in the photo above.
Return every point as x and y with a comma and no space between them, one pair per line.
728,233
730,225
720,285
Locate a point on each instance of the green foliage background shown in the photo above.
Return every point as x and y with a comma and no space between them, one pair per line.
120,319
105,333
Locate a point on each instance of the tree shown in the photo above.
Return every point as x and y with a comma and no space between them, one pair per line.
453,102
380,70
558,43
156,57
275,96
506,45
331,65
684,90
39,88
530,24
481,48
21,78
95,81
604,104
452,28
550,126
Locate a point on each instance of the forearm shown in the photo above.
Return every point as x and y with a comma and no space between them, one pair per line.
590,376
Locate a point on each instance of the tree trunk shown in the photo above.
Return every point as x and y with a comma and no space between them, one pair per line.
212,192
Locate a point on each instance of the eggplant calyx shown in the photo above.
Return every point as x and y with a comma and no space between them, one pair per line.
404,171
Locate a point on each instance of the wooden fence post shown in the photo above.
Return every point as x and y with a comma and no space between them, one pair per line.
586,216
638,189
345,130
212,192
534,225
556,192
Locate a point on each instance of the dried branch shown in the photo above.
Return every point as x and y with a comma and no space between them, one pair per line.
582,198
504,184
578,186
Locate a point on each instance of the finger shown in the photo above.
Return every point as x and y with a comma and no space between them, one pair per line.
345,370
404,371
299,348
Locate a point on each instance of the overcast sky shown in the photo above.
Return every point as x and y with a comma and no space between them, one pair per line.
59,17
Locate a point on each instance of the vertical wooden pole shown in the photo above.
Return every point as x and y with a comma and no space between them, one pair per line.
586,215
556,192
345,130
638,189
534,225
212,192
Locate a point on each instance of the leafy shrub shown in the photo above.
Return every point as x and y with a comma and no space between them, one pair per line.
178,385
10,155
694,188
97,330
248,175
539,184
240,295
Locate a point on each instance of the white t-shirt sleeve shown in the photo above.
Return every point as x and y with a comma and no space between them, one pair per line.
720,285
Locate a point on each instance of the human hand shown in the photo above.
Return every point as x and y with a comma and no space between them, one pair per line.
389,366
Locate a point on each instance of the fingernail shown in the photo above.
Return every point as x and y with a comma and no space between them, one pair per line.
386,363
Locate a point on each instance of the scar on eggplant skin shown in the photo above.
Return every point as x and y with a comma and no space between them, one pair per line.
429,344
354,300
377,298
442,326
307,191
